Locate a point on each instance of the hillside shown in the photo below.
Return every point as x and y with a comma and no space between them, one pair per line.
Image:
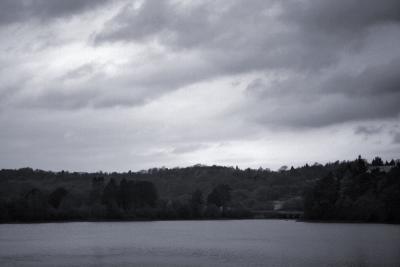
73,195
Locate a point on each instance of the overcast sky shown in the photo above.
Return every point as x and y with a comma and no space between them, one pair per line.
89,85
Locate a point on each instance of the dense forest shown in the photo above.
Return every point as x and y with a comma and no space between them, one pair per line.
348,190
356,191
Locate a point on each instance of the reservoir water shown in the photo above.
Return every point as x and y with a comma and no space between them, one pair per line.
200,243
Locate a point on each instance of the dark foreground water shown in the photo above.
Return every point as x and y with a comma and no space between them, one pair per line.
199,243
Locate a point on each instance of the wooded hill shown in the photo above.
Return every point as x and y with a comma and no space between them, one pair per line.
193,192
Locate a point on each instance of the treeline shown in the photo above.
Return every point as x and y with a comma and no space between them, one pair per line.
126,200
250,190
356,191
347,190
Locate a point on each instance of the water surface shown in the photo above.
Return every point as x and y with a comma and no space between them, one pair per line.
199,243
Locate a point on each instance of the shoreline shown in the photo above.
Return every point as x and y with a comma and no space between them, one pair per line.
205,219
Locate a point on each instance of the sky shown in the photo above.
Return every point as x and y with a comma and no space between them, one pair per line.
89,85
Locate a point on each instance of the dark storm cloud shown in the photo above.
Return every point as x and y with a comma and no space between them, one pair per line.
373,93
208,39
236,37
374,81
129,24
146,83
342,16
324,111
12,11
241,36
306,38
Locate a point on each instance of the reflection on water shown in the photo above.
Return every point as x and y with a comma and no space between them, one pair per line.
199,243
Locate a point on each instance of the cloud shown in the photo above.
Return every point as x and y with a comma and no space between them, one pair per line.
309,102
192,42
375,80
188,148
237,37
368,130
396,138
242,36
324,111
338,95
345,18
80,72
16,11
152,82
91,85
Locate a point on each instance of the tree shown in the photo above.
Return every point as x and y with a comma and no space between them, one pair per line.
4,216
377,161
125,196
220,195
145,194
283,168
358,166
36,205
57,196
110,193
97,189
319,201
196,203
110,199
